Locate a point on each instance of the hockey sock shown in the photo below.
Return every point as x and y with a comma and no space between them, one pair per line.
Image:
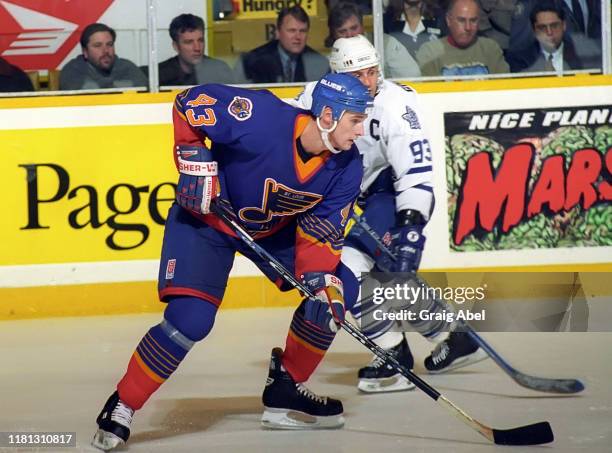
372,326
186,320
389,340
156,357
305,347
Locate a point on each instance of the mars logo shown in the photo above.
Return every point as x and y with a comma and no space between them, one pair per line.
510,195
39,35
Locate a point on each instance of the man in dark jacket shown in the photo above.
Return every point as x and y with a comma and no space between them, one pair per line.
190,66
522,35
13,79
553,49
287,58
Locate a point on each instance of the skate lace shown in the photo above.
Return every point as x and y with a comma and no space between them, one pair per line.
440,353
122,414
311,395
376,362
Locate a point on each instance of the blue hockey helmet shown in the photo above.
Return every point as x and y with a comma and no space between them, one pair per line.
340,92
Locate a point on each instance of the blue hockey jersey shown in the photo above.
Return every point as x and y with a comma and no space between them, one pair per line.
261,173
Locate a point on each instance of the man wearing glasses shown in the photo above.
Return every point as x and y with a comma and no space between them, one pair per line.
554,49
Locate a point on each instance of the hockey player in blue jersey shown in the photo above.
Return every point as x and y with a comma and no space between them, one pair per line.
397,201
291,177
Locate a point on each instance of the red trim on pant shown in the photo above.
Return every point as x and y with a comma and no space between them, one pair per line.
180,291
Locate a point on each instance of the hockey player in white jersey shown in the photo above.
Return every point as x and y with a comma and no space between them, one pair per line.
397,202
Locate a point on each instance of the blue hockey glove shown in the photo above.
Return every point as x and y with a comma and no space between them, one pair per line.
198,184
327,310
407,242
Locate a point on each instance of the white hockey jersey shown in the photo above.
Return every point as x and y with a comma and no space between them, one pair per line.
394,137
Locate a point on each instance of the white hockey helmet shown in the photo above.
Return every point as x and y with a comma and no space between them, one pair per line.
353,54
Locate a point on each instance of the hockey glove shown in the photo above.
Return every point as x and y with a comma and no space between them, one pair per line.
198,184
327,310
407,242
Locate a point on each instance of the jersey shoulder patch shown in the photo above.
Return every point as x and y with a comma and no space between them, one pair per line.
240,108
401,103
411,117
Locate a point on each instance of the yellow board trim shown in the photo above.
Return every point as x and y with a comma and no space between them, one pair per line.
80,100
125,298
132,97
141,297
596,267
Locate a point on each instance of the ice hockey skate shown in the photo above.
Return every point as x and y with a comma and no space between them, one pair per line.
457,351
290,405
114,424
379,377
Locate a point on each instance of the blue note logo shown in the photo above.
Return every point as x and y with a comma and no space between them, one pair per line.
279,200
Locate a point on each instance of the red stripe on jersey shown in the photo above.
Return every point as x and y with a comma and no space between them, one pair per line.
213,221
313,256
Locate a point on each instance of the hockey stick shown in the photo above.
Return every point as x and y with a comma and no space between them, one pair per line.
550,385
534,434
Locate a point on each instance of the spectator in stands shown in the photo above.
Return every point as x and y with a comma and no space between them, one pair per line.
190,66
462,52
496,20
99,66
582,19
365,6
345,20
413,22
554,49
286,58
583,16
13,79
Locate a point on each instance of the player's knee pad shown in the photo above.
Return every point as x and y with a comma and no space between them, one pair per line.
190,316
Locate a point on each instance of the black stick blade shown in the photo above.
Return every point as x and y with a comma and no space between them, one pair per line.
536,434
548,384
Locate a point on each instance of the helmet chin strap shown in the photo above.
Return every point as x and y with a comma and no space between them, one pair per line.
325,136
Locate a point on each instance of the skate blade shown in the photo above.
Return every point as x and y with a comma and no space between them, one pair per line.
106,441
273,418
477,356
397,383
